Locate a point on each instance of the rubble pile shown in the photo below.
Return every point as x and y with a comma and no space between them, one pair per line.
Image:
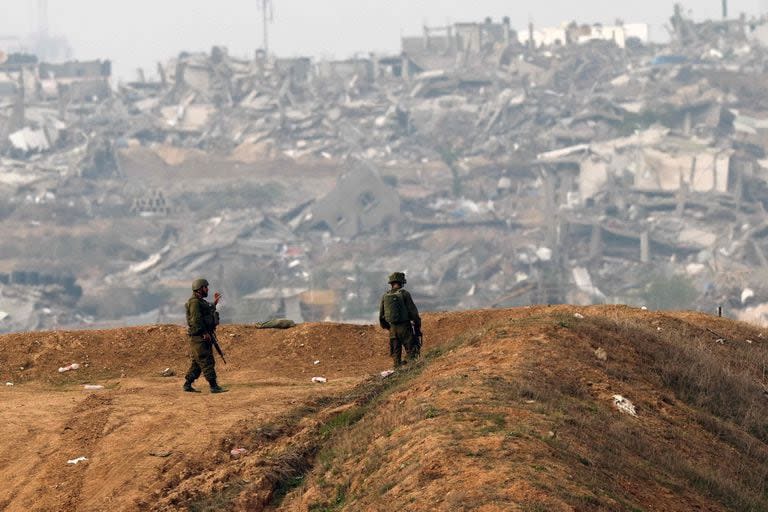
580,164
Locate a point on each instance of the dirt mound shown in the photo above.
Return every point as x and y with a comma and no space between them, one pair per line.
508,410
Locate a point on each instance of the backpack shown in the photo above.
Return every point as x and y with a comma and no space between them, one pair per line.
395,311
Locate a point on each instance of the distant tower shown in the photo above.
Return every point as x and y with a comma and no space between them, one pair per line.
267,16
725,9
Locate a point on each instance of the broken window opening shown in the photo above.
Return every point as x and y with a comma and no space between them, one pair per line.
367,200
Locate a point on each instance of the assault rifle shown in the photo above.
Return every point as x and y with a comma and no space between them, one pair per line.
215,343
418,336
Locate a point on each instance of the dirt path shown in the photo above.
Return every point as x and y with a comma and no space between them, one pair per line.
48,418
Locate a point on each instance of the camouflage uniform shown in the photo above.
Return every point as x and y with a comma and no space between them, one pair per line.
401,335
201,319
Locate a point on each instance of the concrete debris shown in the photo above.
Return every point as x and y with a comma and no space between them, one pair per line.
624,405
577,164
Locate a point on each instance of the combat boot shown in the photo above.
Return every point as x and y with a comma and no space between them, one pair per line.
215,388
188,388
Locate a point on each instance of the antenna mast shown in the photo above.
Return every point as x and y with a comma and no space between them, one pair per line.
267,16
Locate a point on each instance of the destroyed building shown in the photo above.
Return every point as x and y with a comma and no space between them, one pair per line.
591,166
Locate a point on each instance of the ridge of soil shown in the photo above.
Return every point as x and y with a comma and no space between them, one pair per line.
508,410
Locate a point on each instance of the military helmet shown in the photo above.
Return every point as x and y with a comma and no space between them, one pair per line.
199,283
397,277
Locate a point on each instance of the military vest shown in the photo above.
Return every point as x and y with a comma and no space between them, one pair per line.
210,317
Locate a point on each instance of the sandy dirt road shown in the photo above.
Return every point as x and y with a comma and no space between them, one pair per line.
49,418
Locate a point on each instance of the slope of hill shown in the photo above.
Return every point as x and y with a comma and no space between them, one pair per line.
508,410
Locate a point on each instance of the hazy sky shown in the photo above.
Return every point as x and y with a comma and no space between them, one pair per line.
140,32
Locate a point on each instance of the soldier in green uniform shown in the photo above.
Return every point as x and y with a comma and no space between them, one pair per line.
202,320
399,315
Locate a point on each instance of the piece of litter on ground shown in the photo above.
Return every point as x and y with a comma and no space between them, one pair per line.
578,315
167,373
750,342
601,354
644,308
319,379
93,386
9,383
720,341
77,460
317,362
73,366
530,401
658,328
236,452
624,405
160,453
386,373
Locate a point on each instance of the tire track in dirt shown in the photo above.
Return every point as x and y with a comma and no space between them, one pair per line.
61,483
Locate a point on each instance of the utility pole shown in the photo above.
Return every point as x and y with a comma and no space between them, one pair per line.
266,18
725,9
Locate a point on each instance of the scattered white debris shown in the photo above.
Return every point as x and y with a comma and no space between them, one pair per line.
9,383
750,342
624,405
317,362
644,308
321,380
93,386
73,366
720,341
77,460
658,328
236,452
167,373
386,373
530,401
578,315
544,253
601,354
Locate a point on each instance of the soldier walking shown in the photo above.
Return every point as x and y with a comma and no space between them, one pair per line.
399,315
202,319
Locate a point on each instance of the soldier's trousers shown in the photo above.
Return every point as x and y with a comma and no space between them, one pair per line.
401,337
201,352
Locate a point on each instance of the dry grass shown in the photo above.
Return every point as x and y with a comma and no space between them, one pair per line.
717,384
